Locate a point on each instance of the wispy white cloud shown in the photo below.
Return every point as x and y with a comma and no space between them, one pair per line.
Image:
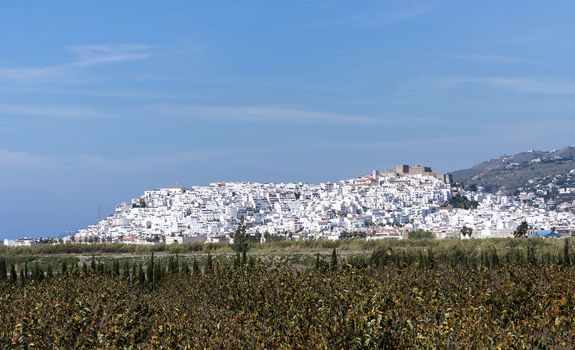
89,55
508,136
30,165
262,114
35,74
82,56
375,12
11,160
22,160
247,114
488,58
516,84
46,111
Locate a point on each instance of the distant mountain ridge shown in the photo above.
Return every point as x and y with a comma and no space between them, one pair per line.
509,174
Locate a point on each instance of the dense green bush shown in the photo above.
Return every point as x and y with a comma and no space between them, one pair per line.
421,234
113,248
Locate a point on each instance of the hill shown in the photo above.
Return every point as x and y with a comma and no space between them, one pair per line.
543,171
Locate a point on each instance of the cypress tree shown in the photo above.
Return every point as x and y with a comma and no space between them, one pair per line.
430,259
141,275
13,274
237,261
566,256
317,261
38,273
333,259
157,272
195,267
93,264
169,265
126,269
244,258
209,263
519,256
22,276
173,265
49,271
150,270
532,256
34,272
3,272
184,268
116,267
494,257
64,268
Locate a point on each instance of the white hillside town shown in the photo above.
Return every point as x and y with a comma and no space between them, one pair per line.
385,204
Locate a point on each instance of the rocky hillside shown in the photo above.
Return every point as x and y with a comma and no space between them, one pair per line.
545,173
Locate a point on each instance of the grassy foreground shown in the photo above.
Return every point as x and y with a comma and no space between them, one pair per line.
302,253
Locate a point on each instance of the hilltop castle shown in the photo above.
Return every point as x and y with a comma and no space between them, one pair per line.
413,170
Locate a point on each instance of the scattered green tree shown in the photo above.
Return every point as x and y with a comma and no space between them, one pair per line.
521,230
241,242
466,231
461,202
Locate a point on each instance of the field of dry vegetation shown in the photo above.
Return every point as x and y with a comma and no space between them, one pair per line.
395,297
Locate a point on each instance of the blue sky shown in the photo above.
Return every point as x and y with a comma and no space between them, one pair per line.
100,101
